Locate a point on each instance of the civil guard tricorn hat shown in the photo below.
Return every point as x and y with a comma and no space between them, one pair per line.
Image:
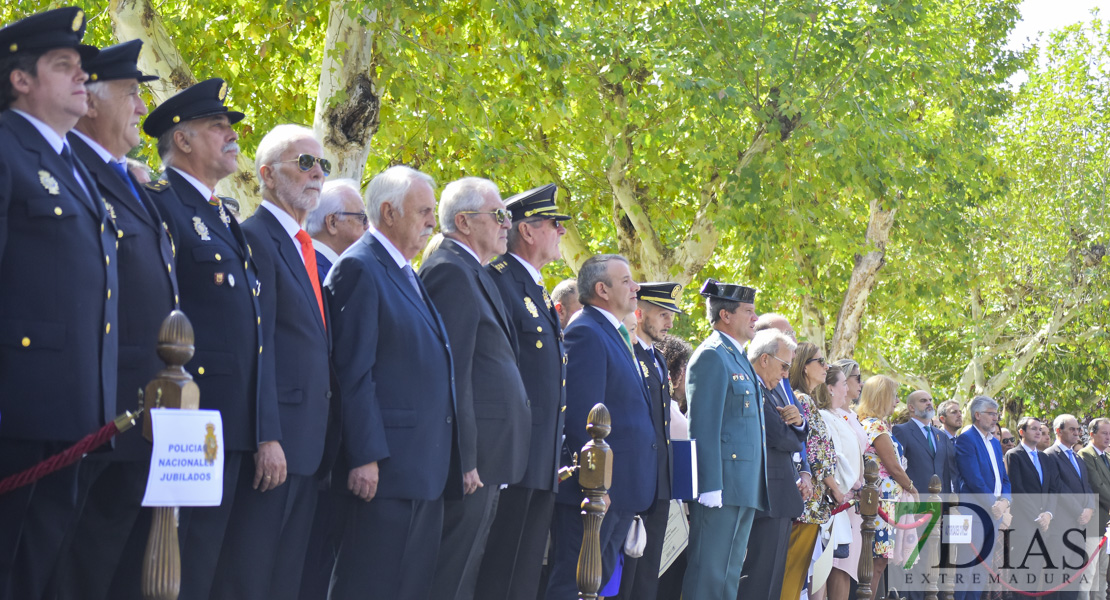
728,291
664,295
204,99
117,62
536,202
47,30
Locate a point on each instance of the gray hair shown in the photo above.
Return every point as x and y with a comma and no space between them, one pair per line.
390,187
714,306
166,149
1061,420
1093,426
463,195
565,289
848,366
515,238
331,202
97,88
980,404
594,270
274,145
768,341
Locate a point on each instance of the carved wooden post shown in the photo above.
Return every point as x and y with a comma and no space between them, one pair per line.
868,508
947,584
172,388
932,554
595,475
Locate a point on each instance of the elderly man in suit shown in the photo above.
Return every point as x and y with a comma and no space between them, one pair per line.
1076,495
725,403
1098,468
264,549
518,537
58,290
982,472
396,377
1034,481
337,221
114,482
494,418
220,294
601,367
925,447
655,315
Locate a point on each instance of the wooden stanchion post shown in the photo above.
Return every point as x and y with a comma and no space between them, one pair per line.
172,388
595,475
868,508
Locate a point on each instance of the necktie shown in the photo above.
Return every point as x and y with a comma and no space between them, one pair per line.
627,339
122,172
412,280
1037,465
1105,461
1071,457
929,435
67,158
309,254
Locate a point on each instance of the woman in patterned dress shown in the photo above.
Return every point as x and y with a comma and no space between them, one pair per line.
807,371
876,404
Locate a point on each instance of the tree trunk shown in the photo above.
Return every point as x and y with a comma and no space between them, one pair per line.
138,20
849,321
348,100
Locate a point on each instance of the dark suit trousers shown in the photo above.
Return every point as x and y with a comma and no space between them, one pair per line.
517,540
201,532
264,548
466,526
33,519
111,508
387,550
323,542
640,576
765,564
566,543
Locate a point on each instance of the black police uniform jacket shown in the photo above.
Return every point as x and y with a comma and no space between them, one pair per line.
219,294
147,287
542,362
58,294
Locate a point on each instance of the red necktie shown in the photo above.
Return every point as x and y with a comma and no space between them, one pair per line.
309,255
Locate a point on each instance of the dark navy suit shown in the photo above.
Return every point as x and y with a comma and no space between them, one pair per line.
1033,493
113,483
397,387
600,368
264,549
514,553
58,341
220,295
1076,494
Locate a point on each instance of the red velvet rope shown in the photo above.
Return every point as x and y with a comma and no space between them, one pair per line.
842,507
59,461
914,525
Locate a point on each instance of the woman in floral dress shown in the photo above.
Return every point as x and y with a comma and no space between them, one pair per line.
876,404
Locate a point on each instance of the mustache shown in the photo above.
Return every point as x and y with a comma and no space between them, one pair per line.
228,147
428,231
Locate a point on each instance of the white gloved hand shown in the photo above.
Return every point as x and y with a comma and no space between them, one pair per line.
710,499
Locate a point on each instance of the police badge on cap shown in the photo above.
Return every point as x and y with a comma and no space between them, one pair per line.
58,28
205,99
664,295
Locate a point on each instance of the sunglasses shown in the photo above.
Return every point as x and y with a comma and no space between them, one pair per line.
499,215
818,360
785,365
1008,440
360,217
305,162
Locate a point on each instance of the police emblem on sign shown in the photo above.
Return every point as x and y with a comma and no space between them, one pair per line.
211,447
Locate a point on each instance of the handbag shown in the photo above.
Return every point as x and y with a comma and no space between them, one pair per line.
841,551
636,540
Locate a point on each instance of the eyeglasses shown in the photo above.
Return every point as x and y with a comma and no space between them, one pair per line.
499,215
1008,440
305,162
785,365
361,217
820,359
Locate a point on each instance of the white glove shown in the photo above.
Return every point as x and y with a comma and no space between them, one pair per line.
710,499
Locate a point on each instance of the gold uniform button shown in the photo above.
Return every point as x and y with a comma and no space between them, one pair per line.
119,233
26,342
259,320
246,266
169,269
107,329
107,260
260,349
58,211
734,456
218,257
109,294
200,371
176,300
101,227
539,344
539,329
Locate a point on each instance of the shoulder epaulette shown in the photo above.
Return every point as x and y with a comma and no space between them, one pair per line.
499,263
157,186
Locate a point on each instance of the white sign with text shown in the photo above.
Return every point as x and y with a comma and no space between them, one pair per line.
187,464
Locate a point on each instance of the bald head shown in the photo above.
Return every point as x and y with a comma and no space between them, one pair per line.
774,321
920,405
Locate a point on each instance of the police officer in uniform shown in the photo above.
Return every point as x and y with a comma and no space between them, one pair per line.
655,313
220,295
514,553
58,290
113,483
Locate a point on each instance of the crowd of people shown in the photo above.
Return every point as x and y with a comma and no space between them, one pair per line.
397,433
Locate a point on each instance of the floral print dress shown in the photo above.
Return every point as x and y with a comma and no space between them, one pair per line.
822,462
889,490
